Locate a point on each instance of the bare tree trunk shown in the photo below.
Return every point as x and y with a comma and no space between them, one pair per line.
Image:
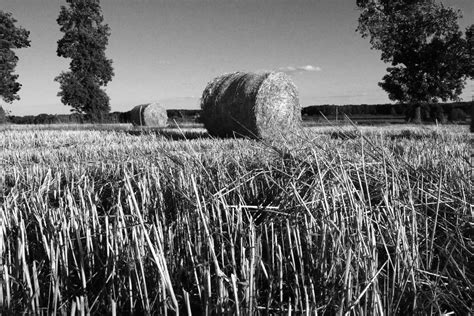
3,115
472,117
417,114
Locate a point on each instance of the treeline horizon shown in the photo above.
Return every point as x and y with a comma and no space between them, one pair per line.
435,112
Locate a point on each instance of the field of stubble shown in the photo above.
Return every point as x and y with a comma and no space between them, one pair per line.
332,221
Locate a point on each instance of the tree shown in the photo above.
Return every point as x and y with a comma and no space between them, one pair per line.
85,40
470,50
470,54
422,42
11,37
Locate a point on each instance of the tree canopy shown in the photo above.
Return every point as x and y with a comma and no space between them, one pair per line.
85,40
11,37
470,50
424,45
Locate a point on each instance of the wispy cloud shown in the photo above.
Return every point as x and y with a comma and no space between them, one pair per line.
299,69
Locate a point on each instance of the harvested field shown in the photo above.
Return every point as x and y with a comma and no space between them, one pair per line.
371,221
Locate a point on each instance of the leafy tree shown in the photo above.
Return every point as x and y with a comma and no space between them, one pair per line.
85,40
470,45
470,50
422,42
11,37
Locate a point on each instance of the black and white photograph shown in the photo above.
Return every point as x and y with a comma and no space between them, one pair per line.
236,157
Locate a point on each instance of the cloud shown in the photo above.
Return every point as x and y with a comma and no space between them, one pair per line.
309,68
299,69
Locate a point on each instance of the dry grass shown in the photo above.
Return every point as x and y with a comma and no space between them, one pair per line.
340,222
257,105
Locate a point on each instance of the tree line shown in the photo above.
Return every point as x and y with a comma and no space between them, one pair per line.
179,116
429,56
438,112
433,112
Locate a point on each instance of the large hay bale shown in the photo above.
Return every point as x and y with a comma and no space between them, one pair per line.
257,105
151,114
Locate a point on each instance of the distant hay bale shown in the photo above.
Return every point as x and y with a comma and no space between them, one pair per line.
257,105
152,114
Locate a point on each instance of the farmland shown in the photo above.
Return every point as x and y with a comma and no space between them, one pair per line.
335,220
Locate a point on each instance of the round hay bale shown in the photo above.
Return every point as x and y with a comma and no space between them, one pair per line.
151,114
256,105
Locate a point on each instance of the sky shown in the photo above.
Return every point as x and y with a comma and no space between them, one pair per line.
168,50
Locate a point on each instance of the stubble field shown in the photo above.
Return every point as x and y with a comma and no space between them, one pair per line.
335,220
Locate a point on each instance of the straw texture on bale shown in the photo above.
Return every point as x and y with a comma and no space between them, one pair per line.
152,114
257,105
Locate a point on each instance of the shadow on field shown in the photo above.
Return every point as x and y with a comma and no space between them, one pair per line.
415,135
171,134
